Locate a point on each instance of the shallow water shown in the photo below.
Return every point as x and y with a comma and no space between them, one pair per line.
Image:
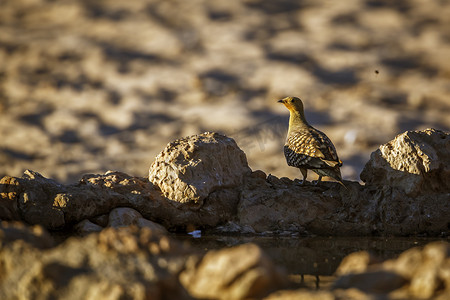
313,255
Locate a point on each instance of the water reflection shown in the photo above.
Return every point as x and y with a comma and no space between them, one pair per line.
312,255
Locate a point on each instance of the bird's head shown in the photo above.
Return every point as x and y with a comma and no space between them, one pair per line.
294,104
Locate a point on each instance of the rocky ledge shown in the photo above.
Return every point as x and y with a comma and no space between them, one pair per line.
204,182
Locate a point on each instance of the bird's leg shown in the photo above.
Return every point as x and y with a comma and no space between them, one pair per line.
318,180
304,173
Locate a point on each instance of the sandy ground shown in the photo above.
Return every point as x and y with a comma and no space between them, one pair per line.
90,86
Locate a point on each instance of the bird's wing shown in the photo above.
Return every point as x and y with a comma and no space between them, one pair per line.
304,143
327,148
316,144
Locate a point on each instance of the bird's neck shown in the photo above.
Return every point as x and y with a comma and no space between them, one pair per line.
297,120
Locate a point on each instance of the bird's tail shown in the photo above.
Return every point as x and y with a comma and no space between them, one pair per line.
343,184
335,173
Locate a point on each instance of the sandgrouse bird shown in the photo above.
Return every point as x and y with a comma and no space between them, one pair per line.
308,148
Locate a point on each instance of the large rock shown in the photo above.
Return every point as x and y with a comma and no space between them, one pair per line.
427,270
416,274
39,200
241,272
43,201
114,264
272,204
415,161
190,169
32,198
356,262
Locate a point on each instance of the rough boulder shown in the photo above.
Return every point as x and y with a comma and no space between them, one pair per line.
190,169
416,274
415,161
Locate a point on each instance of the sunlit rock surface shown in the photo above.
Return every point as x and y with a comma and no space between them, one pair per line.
240,272
188,170
415,274
113,264
416,162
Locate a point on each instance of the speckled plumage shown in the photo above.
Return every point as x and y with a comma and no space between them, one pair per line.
307,148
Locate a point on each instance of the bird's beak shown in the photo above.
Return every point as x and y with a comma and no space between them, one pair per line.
280,101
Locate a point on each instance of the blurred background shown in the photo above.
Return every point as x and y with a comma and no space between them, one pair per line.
90,86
